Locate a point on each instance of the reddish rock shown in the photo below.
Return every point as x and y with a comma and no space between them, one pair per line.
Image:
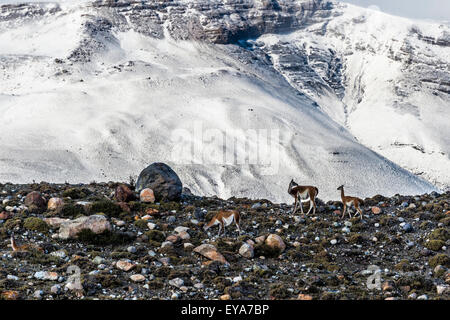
260,239
387,286
4,215
55,203
10,295
303,296
337,212
125,265
172,238
124,206
152,212
35,198
275,241
147,195
123,193
376,210
210,252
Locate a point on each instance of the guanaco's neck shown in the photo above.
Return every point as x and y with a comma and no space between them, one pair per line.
342,193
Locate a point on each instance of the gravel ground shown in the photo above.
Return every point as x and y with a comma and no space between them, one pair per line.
400,247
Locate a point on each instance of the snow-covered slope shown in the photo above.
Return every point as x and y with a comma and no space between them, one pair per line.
97,91
386,78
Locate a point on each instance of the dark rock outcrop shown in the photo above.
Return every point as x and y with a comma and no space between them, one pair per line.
164,182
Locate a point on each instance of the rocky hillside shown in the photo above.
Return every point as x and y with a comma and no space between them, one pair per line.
123,246
262,91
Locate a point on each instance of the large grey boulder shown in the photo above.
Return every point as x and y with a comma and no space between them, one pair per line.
164,182
96,223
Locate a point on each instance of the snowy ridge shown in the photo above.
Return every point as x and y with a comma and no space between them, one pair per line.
97,91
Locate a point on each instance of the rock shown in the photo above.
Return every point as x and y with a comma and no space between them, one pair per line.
246,250
46,275
10,295
184,235
35,198
302,296
256,206
333,242
260,239
151,225
38,294
164,182
376,210
422,297
4,215
181,229
407,227
176,282
275,241
225,297
125,265
440,289
98,260
137,278
12,277
55,203
55,289
131,249
55,222
147,195
95,223
173,238
210,252
387,286
60,254
123,193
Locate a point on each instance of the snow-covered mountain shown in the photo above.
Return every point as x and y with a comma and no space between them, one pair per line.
337,94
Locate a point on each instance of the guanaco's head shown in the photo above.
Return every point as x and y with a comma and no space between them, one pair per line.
292,184
341,187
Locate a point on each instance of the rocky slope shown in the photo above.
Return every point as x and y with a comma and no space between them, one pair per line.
160,251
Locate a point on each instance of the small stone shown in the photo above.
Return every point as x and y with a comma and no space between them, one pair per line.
422,297
407,227
151,225
225,297
387,286
98,260
12,277
38,294
440,289
131,249
55,289
184,235
181,229
210,252
334,241
246,250
303,296
176,282
125,265
46,275
137,278
376,210
147,195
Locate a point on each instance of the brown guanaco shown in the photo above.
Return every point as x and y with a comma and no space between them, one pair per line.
348,201
24,247
299,192
224,219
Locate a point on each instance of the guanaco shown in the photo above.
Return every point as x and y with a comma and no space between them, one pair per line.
348,201
303,191
24,247
224,219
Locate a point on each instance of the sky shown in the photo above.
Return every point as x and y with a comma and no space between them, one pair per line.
417,9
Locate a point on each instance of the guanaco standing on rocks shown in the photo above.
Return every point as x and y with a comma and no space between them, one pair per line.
224,219
24,247
299,192
348,201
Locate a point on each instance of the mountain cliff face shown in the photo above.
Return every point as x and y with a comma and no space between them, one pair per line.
98,90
